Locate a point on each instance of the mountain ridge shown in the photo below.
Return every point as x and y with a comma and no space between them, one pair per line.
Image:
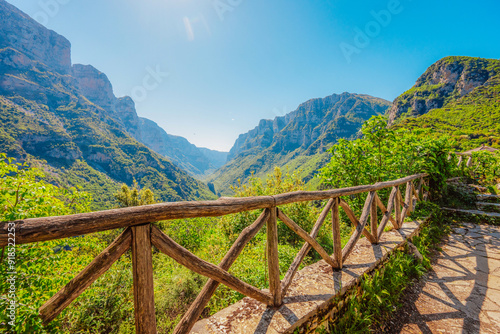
288,140
96,86
68,119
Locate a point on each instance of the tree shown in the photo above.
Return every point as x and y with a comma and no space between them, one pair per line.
134,197
384,154
24,194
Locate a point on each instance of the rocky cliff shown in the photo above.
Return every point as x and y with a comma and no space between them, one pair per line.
457,97
299,139
25,41
316,119
96,86
67,119
20,32
446,80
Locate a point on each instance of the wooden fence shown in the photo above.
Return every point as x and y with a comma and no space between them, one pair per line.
139,235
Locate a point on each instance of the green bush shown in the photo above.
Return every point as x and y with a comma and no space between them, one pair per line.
385,154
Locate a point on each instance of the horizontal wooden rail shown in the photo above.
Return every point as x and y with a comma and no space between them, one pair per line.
51,228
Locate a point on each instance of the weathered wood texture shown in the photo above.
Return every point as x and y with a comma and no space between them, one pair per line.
168,246
193,313
140,235
384,209
352,217
55,305
303,234
387,213
273,259
409,194
50,228
287,280
398,203
361,226
142,262
337,240
406,204
419,188
303,196
374,220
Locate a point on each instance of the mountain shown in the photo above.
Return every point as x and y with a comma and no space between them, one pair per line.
298,140
67,118
98,89
195,160
458,96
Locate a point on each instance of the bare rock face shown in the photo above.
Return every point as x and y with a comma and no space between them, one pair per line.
124,109
27,49
469,81
14,59
449,78
19,31
322,120
94,85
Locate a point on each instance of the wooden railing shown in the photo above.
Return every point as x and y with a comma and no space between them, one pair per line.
140,235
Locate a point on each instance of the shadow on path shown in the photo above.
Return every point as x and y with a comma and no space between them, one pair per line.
453,296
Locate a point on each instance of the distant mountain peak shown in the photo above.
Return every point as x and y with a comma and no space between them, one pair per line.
315,115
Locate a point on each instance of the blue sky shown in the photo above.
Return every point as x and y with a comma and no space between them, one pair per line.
231,63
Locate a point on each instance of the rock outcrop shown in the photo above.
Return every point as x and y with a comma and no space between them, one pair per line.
19,31
456,97
449,78
124,110
298,140
311,121
94,85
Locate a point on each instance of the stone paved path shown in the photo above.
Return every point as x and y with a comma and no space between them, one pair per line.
462,292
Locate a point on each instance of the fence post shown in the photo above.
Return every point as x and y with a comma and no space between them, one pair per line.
144,305
419,189
397,209
337,241
272,257
409,197
374,221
